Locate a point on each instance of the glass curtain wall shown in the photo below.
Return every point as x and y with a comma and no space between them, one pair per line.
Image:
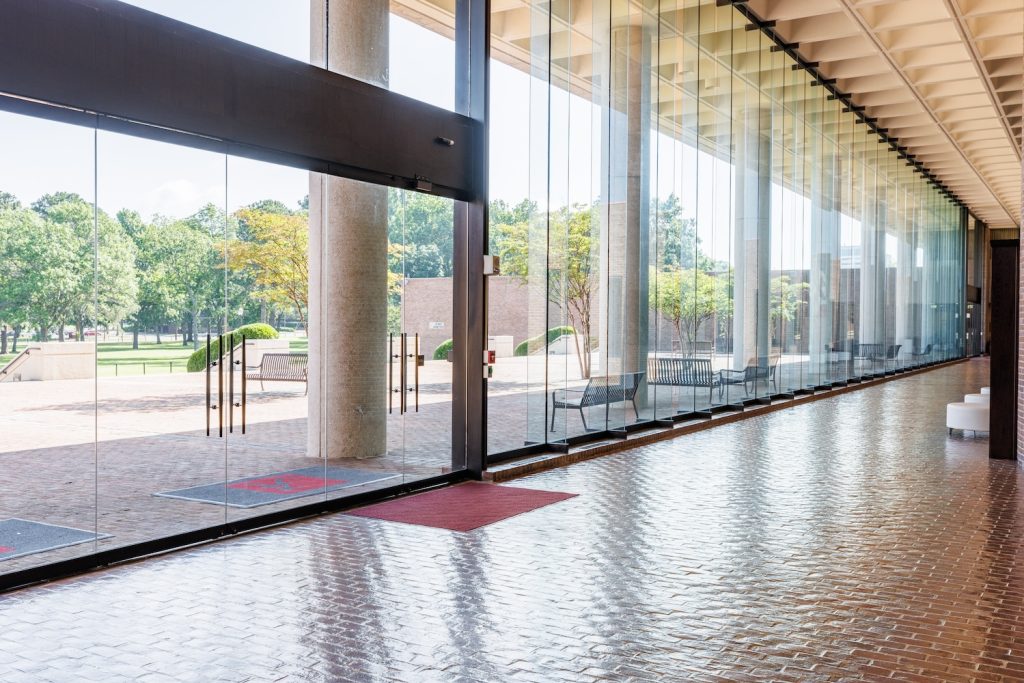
704,227
329,305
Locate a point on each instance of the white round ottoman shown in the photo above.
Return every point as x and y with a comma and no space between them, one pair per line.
967,416
986,390
977,398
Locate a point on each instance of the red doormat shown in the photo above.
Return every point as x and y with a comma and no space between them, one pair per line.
463,507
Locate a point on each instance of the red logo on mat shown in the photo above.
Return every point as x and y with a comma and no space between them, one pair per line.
284,484
6,549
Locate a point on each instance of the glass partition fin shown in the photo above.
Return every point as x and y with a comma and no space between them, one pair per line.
58,301
703,227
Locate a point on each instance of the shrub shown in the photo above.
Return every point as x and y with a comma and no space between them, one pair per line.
197,361
441,352
528,346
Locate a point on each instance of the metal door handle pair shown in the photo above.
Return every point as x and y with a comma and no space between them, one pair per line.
402,357
219,364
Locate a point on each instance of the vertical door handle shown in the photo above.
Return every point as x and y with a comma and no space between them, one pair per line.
416,358
391,372
208,406
243,383
403,373
231,384
220,385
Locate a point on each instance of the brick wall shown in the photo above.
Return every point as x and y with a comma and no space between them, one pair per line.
428,309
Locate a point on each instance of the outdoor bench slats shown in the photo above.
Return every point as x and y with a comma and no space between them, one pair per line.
281,367
685,372
599,391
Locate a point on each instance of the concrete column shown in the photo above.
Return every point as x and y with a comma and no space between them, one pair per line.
824,258
872,274
752,241
906,330
626,133
348,265
930,275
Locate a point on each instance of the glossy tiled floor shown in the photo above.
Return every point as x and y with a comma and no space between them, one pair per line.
846,539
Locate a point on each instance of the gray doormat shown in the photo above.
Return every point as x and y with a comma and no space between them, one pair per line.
21,537
265,489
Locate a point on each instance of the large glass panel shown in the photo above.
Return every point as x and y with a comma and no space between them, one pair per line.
50,322
421,266
165,204
264,361
516,389
746,237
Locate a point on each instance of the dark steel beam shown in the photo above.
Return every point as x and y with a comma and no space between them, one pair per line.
471,221
133,67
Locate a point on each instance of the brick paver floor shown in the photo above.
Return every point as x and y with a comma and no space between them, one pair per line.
845,539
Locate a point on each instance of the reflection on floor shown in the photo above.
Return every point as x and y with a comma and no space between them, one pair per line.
845,539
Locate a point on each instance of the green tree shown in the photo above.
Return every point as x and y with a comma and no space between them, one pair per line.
88,264
689,298
677,242
8,202
276,257
786,299
161,294
131,222
22,246
572,279
423,225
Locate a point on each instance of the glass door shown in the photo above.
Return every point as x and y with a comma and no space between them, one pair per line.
337,379
47,340
421,332
261,375
160,232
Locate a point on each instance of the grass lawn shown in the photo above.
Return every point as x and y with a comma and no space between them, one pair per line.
109,353
119,358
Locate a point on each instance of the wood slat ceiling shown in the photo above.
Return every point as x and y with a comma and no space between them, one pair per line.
944,77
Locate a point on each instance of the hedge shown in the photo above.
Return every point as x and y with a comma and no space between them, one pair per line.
441,352
525,348
197,361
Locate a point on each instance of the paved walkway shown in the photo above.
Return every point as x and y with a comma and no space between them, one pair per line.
846,539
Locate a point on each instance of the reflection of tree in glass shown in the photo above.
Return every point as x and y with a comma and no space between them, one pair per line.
688,298
785,304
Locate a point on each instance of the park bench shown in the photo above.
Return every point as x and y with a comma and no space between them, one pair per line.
280,367
599,391
754,372
685,372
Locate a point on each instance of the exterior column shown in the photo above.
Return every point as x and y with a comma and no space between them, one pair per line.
824,260
752,241
872,275
348,265
626,133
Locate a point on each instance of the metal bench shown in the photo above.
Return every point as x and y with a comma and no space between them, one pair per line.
281,367
599,391
755,371
685,372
